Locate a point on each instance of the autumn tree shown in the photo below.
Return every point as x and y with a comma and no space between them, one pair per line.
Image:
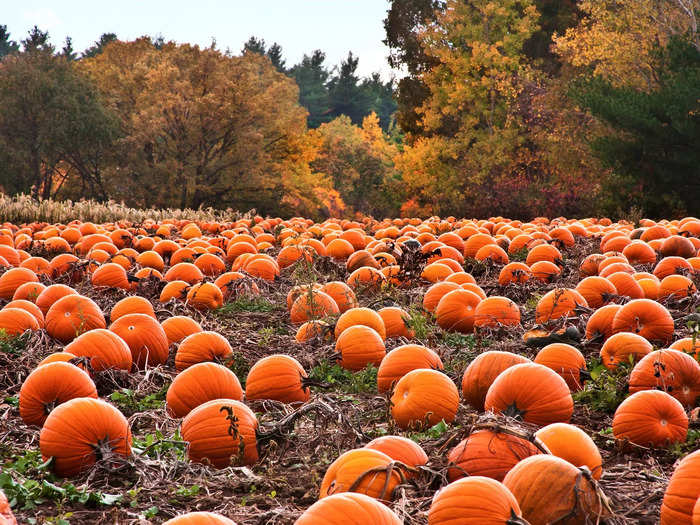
53,126
360,163
203,128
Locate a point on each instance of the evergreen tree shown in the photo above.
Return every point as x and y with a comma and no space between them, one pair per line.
311,76
68,52
345,95
37,40
7,46
99,45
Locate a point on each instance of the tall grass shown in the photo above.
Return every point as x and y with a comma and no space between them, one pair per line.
20,209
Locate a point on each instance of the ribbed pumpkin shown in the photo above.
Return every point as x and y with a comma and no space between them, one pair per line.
75,432
200,518
514,273
184,271
29,291
682,492
205,296
174,290
201,347
401,360
623,347
488,453
311,329
358,346
360,316
565,360
111,275
50,385
552,490
572,444
481,373
16,321
12,279
496,311
676,287
52,294
311,305
650,418
475,500
105,349
435,293
456,310
670,371
544,271
646,318
400,449
557,303
178,327
396,322
134,304
361,470
689,345
348,508
221,432
6,515
342,294
278,377
73,315
531,392
599,325
199,384
424,397
597,291
145,338
670,265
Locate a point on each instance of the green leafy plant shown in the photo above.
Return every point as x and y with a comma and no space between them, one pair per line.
157,445
246,304
13,345
606,389
346,381
129,401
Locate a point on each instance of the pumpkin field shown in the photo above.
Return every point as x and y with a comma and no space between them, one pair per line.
254,370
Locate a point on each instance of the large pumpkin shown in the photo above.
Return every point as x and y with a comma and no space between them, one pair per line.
572,444
650,418
200,347
670,371
646,318
76,431
200,518
557,303
221,432
532,392
358,346
105,349
348,508
456,310
401,360
145,338
362,470
423,397
73,315
278,377
565,360
682,491
481,373
198,384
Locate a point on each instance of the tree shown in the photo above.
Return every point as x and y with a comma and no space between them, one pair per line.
403,24
203,128
53,127
99,45
653,148
68,52
7,46
345,95
311,75
274,53
381,99
37,40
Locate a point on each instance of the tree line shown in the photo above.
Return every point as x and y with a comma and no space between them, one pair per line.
514,107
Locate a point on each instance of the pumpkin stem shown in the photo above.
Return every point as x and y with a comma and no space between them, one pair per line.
516,520
394,466
514,412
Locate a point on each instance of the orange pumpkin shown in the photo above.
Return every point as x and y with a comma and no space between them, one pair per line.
650,418
200,347
646,318
278,377
357,470
572,444
565,360
481,373
199,384
73,315
424,397
145,337
359,346
670,371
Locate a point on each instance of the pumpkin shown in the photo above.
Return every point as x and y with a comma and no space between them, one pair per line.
342,294
73,315
401,360
200,347
496,311
145,338
365,278
221,432
424,396
111,275
670,371
312,329
205,296
481,373
348,508
456,310
650,418
572,444
184,271
50,385
475,499
531,392
488,453
514,273
134,304
358,346
544,252
174,290
311,305
178,327
76,431
28,291
599,325
363,470
52,294
565,360
552,490
16,321
13,278
623,347
6,515
682,491
200,518
689,345
198,384
646,318
558,303
461,278
400,449
234,284
671,265
360,316
278,377
676,287
210,265
396,322
597,291
30,307
678,246
105,349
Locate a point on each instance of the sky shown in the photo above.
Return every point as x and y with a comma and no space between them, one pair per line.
299,26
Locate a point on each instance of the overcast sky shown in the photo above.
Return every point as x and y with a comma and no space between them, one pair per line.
299,26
